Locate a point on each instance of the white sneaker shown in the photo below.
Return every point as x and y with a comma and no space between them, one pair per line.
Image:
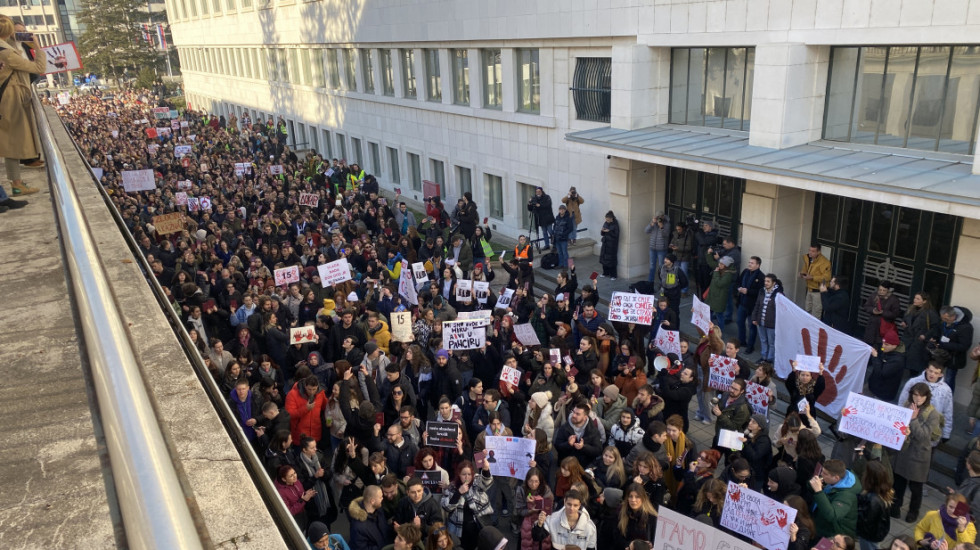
602,276
612,278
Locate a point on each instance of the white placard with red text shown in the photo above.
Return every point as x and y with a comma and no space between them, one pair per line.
627,307
287,275
700,315
511,375
722,372
758,517
875,420
334,272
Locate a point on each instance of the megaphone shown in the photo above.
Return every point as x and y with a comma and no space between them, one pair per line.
661,362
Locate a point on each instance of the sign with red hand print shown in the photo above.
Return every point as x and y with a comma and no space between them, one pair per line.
679,531
62,58
700,315
845,358
668,341
302,335
875,420
758,517
759,397
722,372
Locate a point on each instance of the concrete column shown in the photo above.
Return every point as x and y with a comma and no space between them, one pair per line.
776,227
636,191
396,72
421,77
546,74
476,78
966,288
508,77
379,87
640,86
788,94
446,72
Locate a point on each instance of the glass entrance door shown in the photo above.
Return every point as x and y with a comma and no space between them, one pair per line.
698,195
872,242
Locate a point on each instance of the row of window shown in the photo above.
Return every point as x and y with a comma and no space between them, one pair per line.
322,67
184,9
36,20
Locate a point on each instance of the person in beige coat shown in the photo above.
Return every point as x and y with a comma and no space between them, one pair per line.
18,129
572,202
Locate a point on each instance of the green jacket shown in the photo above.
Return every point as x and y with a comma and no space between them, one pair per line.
721,285
836,510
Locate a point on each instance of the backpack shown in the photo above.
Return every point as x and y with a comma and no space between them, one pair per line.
549,260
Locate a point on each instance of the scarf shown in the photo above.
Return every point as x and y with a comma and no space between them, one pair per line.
312,464
949,523
674,452
807,388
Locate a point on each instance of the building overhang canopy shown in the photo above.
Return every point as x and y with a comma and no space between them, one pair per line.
925,180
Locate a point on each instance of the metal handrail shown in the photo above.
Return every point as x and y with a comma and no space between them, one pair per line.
288,527
154,509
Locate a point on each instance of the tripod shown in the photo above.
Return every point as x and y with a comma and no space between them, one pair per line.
536,242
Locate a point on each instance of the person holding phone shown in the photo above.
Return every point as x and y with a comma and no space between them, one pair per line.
951,523
18,130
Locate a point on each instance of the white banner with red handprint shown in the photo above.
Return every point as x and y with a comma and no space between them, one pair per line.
509,456
676,530
668,341
759,397
757,517
62,58
302,335
700,315
845,358
875,420
722,372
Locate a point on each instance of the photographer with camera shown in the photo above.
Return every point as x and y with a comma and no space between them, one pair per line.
574,201
542,217
659,231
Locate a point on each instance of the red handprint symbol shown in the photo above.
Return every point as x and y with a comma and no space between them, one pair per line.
849,411
734,493
900,426
834,372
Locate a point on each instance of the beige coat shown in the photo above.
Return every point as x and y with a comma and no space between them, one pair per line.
573,207
18,131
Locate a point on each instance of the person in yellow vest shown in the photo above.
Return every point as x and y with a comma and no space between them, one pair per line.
356,177
816,272
573,201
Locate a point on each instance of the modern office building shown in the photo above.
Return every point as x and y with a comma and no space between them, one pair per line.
40,16
852,123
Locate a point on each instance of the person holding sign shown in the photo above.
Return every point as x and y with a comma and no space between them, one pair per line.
466,501
732,411
804,385
911,465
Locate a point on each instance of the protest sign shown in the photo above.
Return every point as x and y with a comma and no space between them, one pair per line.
442,434
807,363
801,405
287,275
64,98
97,172
185,184
464,290
526,335
554,356
700,315
511,375
481,289
152,148
722,371
483,315
166,224
62,58
181,150
509,456
161,110
193,205
174,124
184,124
460,335
730,439
163,132
173,113
275,170
205,203
242,168
759,398
758,517
401,326
418,271
627,307
430,479
875,420
302,335
309,199
115,133
668,341
845,358
180,198
192,138
138,180
406,286
676,532
334,272
506,295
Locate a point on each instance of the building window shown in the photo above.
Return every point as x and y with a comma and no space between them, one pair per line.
355,144
591,88
461,77
368,68
333,69
375,151
491,79
433,75
438,169
712,87
904,96
295,68
495,195
387,74
327,146
230,5
415,166
408,72
350,69
317,64
284,73
342,146
396,172
528,81
464,180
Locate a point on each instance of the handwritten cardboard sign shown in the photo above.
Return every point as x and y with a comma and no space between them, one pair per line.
526,335
758,517
334,272
875,420
401,326
701,315
676,531
309,199
463,335
722,372
668,341
138,180
287,275
275,170
807,363
166,224
483,315
509,456
627,307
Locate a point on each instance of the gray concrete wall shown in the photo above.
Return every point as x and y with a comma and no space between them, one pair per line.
226,504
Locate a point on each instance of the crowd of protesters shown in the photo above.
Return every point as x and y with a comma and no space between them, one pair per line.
341,421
